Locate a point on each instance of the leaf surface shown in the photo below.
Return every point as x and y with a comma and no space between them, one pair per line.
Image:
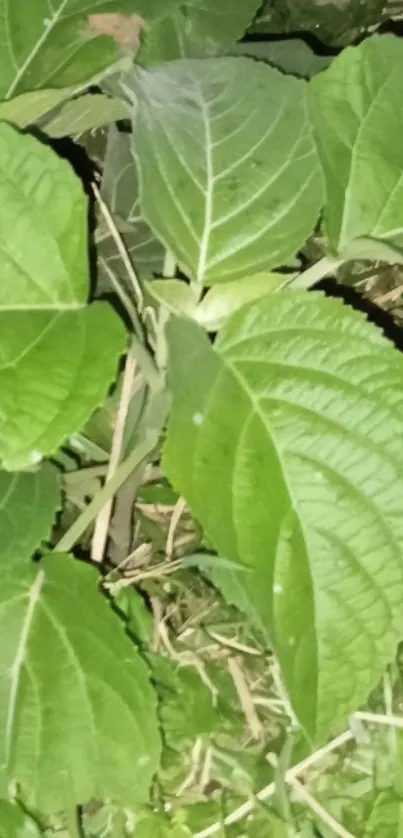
15,823
355,106
57,356
57,45
120,190
67,658
195,28
337,22
228,172
285,441
28,505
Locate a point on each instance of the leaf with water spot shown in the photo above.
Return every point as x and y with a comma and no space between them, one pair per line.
58,355
65,657
285,440
229,178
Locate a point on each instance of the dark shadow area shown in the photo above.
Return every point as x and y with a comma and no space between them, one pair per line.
374,313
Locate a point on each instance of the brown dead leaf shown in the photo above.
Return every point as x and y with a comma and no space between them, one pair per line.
124,29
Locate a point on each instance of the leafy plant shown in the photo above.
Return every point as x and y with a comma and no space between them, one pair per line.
202,475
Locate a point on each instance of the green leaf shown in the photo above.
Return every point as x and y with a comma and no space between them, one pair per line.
52,46
28,505
228,173
285,441
58,355
386,818
64,656
223,300
336,22
30,107
195,28
355,106
292,55
15,823
120,191
175,295
84,113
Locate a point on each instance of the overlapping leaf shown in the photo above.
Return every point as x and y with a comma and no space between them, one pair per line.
355,105
28,505
285,440
57,356
195,28
229,179
53,45
77,711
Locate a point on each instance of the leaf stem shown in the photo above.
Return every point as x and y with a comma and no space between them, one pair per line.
139,453
73,823
318,271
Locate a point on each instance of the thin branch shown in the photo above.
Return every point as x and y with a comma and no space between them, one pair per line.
319,810
245,698
179,508
107,215
139,453
104,515
121,293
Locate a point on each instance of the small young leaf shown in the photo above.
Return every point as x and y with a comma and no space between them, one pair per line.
59,356
77,711
291,55
355,106
229,179
28,505
285,441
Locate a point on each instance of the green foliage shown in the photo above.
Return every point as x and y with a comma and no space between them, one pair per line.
68,660
236,187
49,337
308,447
225,448
194,28
355,106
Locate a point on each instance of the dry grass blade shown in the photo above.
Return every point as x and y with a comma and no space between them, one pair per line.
137,290
318,809
245,699
102,522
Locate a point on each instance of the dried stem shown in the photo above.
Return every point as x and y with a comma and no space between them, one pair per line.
102,522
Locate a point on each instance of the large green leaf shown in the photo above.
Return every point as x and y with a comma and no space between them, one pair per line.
52,45
228,173
285,441
28,505
58,356
195,28
120,191
355,105
336,22
77,711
